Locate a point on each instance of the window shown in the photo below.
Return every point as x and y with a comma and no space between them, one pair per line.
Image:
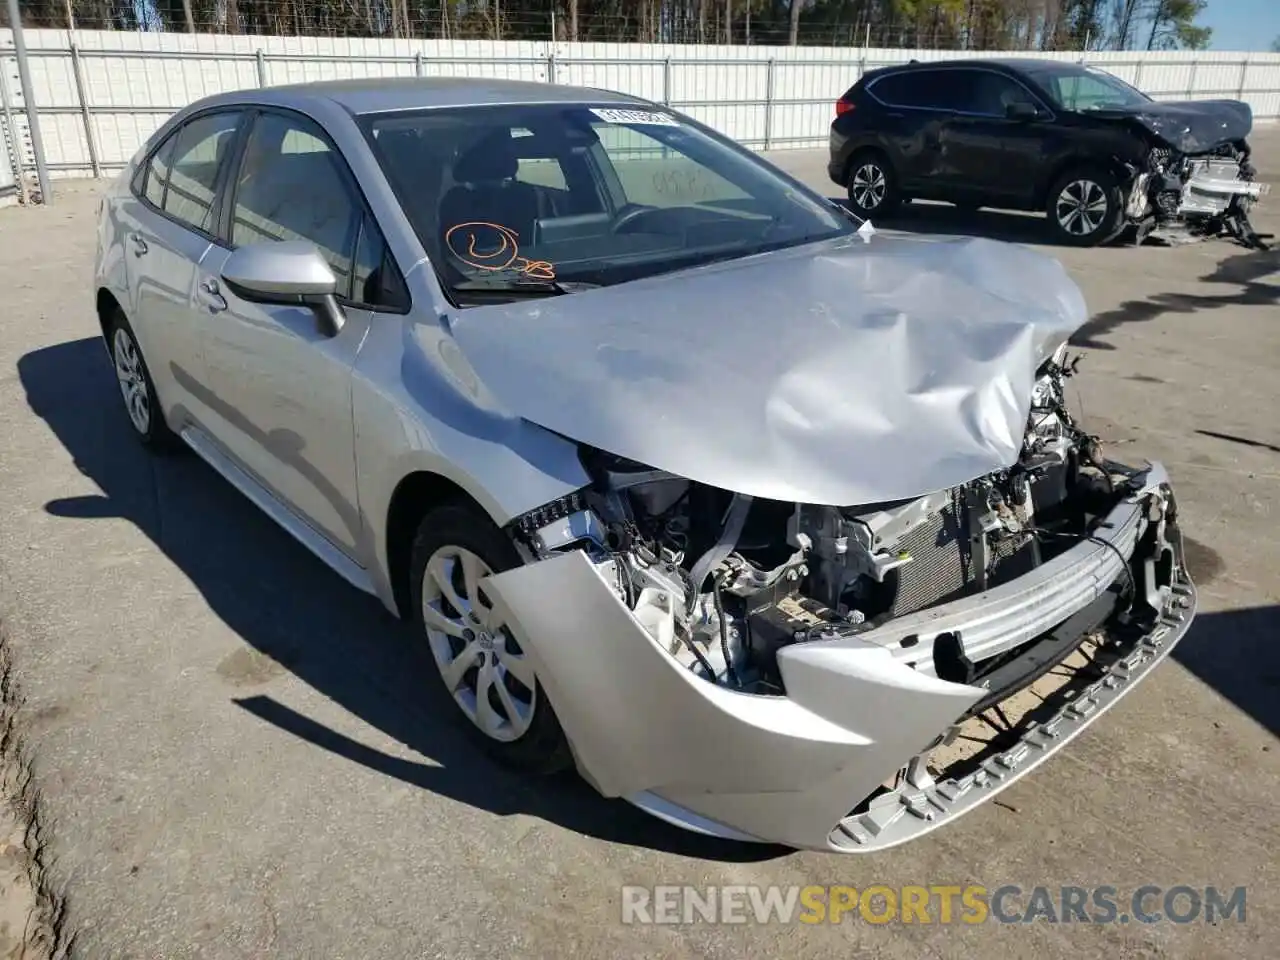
157,174
375,279
1088,89
656,176
292,185
200,149
915,88
990,93
541,172
644,192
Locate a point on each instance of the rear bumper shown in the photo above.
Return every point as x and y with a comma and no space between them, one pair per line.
790,769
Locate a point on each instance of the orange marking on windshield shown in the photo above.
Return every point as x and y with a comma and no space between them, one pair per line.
494,247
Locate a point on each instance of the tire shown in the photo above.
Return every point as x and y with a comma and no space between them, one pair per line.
1085,207
872,185
137,389
513,722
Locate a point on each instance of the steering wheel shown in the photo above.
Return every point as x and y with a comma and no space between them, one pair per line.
630,214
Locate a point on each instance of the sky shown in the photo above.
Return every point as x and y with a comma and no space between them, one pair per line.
1242,24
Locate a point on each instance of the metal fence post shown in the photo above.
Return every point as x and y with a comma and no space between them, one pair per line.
262,67
14,148
1244,75
1137,75
551,67
77,70
417,64
1191,81
768,103
666,81
29,100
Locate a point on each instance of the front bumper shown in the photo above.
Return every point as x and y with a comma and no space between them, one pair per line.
792,769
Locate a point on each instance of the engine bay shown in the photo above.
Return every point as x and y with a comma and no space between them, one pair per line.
722,581
1181,197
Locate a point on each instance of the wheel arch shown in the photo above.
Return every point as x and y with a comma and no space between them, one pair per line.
1112,165
107,306
415,494
864,149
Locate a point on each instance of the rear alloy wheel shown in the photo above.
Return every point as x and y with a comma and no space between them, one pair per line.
1084,207
481,664
136,389
872,190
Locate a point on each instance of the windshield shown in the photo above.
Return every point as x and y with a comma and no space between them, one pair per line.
1086,88
516,200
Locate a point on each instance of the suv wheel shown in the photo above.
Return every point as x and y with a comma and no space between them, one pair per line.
873,189
1085,208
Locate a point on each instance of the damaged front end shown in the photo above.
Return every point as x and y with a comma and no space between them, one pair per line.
845,678
1195,179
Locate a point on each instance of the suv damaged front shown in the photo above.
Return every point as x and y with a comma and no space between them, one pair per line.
1192,176
847,565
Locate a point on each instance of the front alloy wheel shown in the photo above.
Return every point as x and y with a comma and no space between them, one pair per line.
486,673
1081,208
1085,208
481,664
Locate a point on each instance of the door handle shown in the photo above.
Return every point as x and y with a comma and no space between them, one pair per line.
211,296
139,244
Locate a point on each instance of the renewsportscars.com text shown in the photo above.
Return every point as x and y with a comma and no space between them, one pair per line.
939,903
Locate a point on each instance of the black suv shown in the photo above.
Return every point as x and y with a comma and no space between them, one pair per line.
1080,144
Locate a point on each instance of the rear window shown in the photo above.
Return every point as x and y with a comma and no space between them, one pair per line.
927,89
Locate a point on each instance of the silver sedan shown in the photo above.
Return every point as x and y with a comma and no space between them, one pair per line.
775,527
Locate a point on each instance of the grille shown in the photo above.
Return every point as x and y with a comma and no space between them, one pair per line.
939,568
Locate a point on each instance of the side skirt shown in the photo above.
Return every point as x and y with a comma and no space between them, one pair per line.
265,501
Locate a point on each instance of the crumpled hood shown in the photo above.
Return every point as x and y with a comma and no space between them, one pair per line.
1190,126
837,373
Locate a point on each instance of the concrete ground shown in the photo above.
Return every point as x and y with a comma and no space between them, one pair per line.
235,758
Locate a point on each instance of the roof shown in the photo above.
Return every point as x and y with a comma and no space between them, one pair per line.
384,94
1016,64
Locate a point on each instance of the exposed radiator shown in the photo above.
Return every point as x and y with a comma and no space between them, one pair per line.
939,567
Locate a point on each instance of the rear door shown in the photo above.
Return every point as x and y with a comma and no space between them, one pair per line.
282,385
986,156
914,107
171,227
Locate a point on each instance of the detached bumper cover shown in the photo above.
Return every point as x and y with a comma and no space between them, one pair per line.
790,769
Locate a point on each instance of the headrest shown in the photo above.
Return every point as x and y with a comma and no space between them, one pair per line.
493,157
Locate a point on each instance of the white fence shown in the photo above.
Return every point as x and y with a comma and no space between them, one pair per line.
99,94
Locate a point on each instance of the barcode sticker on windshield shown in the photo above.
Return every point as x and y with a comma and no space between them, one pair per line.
636,116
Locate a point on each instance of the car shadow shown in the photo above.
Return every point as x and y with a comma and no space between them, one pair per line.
1244,272
294,612
1236,653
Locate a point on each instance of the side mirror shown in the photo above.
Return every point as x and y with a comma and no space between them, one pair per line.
286,272
1021,110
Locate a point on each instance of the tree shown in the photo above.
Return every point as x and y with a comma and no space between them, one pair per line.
1173,25
794,34
1275,45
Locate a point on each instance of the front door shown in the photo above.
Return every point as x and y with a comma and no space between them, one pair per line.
987,154
280,385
